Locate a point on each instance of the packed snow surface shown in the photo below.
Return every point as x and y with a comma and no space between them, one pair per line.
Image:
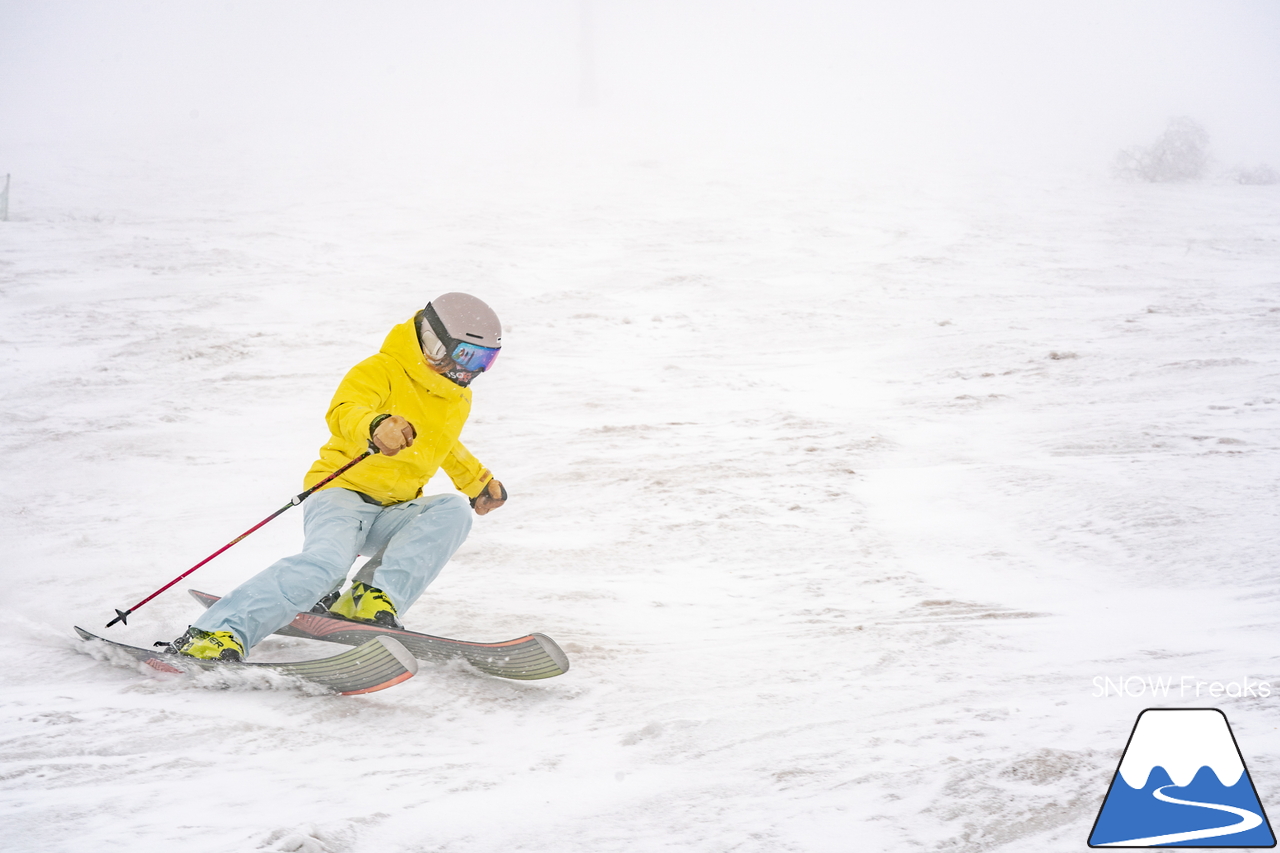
868,511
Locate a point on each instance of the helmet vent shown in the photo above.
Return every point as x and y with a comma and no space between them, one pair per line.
474,335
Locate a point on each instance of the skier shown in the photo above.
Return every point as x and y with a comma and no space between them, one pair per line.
409,402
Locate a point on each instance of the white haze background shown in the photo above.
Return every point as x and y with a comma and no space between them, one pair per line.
409,90
855,418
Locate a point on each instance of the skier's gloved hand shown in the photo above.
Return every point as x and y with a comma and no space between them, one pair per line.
493,496
392,433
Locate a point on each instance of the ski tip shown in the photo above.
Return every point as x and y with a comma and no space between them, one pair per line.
397,649
84,635
408,665
205,599
553,651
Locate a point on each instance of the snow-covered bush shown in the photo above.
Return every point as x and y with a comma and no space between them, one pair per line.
1260,174
1180,154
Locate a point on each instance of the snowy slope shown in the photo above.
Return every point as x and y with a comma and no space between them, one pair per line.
839,494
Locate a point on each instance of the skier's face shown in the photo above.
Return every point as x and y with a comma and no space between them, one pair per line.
466,361
461,363
449,369
461,377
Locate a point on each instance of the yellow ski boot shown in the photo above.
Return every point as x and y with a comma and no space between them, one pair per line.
365,603
209,645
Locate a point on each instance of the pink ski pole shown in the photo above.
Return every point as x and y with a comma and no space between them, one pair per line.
123,615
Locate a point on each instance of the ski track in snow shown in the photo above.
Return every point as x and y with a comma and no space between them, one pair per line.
837,494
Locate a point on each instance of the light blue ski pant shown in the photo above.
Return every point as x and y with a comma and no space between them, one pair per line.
411,542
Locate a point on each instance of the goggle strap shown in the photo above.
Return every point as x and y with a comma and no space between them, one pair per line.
442,334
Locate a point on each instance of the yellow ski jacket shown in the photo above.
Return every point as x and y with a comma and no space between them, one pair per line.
397,381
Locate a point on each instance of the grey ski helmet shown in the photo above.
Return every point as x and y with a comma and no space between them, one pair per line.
460,336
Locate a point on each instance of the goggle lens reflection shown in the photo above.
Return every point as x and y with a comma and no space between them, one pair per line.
473,357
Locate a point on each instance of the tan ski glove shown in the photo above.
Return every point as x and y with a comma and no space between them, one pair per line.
392,434
493,496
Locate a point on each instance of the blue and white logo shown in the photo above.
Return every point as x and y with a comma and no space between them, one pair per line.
1182,783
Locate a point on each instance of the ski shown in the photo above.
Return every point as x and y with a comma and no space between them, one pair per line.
375,665
526,658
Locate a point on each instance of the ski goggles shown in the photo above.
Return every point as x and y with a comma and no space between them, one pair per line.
473,357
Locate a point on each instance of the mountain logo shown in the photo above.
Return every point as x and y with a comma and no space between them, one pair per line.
1182,783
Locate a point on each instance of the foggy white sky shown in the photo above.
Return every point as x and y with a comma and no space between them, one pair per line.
334,84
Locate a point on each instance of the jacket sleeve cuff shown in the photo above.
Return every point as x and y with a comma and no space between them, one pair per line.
476,486
374,422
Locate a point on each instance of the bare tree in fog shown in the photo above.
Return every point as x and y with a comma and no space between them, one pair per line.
1180,154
